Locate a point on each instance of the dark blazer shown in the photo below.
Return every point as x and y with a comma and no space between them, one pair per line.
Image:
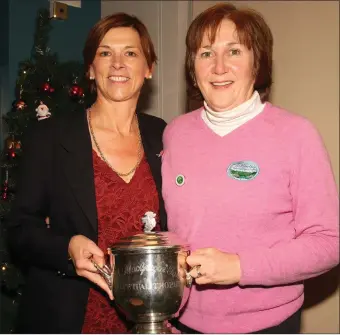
56,179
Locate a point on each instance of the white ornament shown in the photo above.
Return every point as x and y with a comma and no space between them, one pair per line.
149,221
42,112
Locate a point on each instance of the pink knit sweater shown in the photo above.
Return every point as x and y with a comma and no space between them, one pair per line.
266,192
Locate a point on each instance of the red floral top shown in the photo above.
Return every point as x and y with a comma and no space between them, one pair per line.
120,207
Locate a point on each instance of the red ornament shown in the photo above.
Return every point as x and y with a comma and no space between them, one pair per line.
45,87
74,91
4,191
19,104
11,154
4,188
80,93
12,143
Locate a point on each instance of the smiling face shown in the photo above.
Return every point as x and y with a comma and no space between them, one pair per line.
224,69
119,66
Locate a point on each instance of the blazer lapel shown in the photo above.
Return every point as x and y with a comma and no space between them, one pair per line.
78,165
153,146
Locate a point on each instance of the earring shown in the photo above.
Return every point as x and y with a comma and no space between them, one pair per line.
91,78
150,76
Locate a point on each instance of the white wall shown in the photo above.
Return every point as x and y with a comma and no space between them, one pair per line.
73,3
166,21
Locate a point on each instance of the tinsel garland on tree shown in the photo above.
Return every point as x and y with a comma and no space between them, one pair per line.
44,88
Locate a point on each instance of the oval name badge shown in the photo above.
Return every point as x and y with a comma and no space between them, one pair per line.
243,170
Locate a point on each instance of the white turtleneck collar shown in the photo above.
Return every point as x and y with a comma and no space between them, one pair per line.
222,123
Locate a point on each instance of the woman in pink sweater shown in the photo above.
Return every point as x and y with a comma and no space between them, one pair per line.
247,184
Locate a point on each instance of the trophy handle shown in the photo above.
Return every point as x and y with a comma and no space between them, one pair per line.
189,279
106,271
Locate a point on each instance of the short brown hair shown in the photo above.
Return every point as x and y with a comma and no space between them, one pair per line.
116,20
252,31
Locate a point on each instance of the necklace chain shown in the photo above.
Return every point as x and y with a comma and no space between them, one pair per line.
140,146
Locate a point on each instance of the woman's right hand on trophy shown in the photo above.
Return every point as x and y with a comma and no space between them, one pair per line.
85,254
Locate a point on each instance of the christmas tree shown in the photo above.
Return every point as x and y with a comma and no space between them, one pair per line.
45,88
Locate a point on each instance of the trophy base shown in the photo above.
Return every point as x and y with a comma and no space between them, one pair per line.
161,327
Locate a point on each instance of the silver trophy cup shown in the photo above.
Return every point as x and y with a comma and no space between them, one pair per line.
150,280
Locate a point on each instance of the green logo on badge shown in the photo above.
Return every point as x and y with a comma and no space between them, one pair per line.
180,180
243,170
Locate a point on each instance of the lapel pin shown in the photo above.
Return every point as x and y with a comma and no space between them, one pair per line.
160,154
180,180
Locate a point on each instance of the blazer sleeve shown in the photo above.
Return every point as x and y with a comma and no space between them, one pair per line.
28,236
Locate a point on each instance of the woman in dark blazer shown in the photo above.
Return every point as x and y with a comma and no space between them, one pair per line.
93,174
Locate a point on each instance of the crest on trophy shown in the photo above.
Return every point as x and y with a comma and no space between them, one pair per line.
149,221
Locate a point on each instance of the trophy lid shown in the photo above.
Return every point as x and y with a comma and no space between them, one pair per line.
148,241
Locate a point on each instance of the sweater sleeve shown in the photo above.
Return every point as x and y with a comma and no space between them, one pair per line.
315,205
